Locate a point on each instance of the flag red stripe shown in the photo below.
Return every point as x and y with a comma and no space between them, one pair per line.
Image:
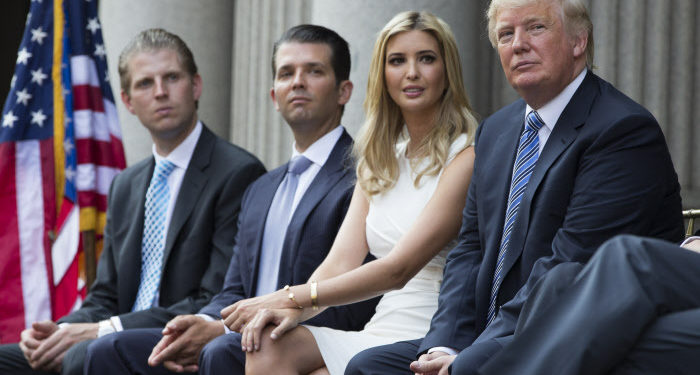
92,199
11,300
93,151
87,97
48,180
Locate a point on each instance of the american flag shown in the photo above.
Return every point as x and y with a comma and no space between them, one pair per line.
60,147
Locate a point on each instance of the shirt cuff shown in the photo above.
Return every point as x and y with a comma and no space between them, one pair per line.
445,349
117,323
64,324
206,317
690,239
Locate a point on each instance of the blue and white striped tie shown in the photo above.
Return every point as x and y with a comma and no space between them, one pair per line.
528,152
154,233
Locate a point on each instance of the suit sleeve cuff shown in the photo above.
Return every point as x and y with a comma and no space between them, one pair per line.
444,349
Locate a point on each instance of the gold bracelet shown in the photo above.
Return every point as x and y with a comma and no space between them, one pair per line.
291,297
314,295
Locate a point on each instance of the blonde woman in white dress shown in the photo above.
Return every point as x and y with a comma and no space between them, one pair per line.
414,164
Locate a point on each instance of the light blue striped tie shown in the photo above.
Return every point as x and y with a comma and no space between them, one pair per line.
528,151
154,233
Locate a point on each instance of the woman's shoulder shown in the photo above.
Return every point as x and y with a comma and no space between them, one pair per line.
459,144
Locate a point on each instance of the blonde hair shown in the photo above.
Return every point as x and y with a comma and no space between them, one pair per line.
375,148
574,17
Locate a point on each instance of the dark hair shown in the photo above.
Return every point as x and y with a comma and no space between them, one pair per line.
153,40
340,52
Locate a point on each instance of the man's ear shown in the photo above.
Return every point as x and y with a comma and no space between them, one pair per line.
197,86
274,99
126,99
580,43
344,92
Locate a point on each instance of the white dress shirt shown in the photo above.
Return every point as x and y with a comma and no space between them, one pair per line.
180,157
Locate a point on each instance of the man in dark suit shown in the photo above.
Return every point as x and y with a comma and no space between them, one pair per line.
311,67
556,173
633,309
168,237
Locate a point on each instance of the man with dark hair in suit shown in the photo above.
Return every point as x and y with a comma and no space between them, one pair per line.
558,172
278,243
171,220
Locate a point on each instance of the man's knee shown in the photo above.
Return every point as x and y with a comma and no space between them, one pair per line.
75,358
386,359
223,352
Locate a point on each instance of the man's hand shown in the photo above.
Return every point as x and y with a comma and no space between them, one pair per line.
183,340
693,245
435,363
48,356
31,338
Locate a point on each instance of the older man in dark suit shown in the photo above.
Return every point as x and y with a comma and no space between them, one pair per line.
171,221
277,243
558,172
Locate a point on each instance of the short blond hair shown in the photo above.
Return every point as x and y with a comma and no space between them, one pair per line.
574,17
154,40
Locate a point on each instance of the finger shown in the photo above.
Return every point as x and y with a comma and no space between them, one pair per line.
282,328
191,368
172,366
246,335
226,311
178,324
170,351
154,359
423,367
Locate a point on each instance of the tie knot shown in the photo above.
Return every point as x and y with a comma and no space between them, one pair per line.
534,121
298,164
163,169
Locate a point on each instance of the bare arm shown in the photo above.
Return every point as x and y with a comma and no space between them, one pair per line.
437,224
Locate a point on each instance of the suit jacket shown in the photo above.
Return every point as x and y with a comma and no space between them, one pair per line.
310,234
605,170
199,242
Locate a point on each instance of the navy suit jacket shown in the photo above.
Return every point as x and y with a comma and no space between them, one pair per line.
198,245
310,234
605,170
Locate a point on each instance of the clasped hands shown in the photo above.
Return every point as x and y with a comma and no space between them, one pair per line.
185,335
44,345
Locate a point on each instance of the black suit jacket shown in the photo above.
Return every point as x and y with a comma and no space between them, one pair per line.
605,170
199,242
310,234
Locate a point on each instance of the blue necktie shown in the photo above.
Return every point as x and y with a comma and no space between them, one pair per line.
528,152
154,233
276,225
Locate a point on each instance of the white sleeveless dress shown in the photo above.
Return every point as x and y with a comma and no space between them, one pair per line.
402,314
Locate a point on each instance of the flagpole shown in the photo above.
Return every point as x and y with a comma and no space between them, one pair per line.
89,249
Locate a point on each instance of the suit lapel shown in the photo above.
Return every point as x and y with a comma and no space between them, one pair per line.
130,259
264,194
332,171
564,133
192,184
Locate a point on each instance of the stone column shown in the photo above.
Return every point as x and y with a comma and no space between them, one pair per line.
207,28
255,125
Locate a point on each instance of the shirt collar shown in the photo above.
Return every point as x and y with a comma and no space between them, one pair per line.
320,150
182,154
551,111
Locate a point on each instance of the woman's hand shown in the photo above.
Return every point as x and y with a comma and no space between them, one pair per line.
284,319
237,315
